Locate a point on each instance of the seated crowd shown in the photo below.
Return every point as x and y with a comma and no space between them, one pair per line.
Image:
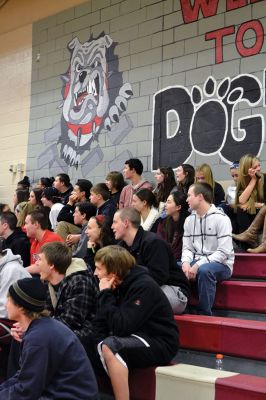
112,263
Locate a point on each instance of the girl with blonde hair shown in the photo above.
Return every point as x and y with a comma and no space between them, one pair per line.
250,191
204,175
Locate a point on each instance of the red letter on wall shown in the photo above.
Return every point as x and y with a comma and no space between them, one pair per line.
257,27
218,37
191,13
233,4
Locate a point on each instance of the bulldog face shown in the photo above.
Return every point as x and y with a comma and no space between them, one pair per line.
86,95
94,98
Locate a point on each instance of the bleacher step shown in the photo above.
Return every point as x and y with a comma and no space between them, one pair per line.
236,337
239,315
234,364
238,295
191,382
250,266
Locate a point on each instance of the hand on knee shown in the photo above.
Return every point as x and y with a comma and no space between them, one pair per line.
108,355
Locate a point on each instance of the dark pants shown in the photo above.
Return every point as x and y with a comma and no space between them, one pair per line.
243,219
133,352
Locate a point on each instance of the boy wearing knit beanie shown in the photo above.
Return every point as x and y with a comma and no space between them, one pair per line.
53,363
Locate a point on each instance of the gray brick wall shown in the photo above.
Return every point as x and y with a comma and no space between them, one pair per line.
155,50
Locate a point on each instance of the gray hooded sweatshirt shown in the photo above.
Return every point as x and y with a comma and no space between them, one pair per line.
11,269
208,238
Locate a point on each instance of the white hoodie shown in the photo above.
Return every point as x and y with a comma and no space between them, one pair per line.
208,238
11,269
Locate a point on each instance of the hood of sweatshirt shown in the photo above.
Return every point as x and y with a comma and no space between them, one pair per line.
213,210
77,265
8,256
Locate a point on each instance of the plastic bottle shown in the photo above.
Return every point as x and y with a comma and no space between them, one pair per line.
219,361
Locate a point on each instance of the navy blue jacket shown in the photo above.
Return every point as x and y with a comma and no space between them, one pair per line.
53,365
107,209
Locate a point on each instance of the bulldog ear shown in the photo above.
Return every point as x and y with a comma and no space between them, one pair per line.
74,42
108,41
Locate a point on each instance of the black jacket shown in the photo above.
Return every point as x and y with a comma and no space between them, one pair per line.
66,214
108,209
19,243
218,194
155,254
138,306
65,196
114,197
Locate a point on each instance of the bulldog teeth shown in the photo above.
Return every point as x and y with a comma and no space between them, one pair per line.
94,88
90,87
81,94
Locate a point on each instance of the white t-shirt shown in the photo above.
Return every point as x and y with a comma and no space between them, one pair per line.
55,209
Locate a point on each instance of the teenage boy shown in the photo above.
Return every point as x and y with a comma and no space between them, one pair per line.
36,227
207,254
50,198
66,227
72,288
134,325
100,197
83,212
154,253
133,172
14,238
63,185
53,363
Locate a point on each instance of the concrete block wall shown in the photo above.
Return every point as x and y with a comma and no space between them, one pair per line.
15,67
155,50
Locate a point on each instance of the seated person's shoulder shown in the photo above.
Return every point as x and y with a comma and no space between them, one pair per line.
154,240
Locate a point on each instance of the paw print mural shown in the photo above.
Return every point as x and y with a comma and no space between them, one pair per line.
206,136
207,122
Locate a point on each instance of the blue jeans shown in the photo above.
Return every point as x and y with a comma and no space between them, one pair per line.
207,276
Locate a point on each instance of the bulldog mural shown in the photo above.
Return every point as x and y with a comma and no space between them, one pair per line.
94,99
91,99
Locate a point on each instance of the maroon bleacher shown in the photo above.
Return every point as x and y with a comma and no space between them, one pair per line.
238,295
141,384
250,266
240,387
242,293
231,336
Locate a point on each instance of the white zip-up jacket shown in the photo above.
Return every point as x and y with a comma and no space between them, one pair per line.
208,238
